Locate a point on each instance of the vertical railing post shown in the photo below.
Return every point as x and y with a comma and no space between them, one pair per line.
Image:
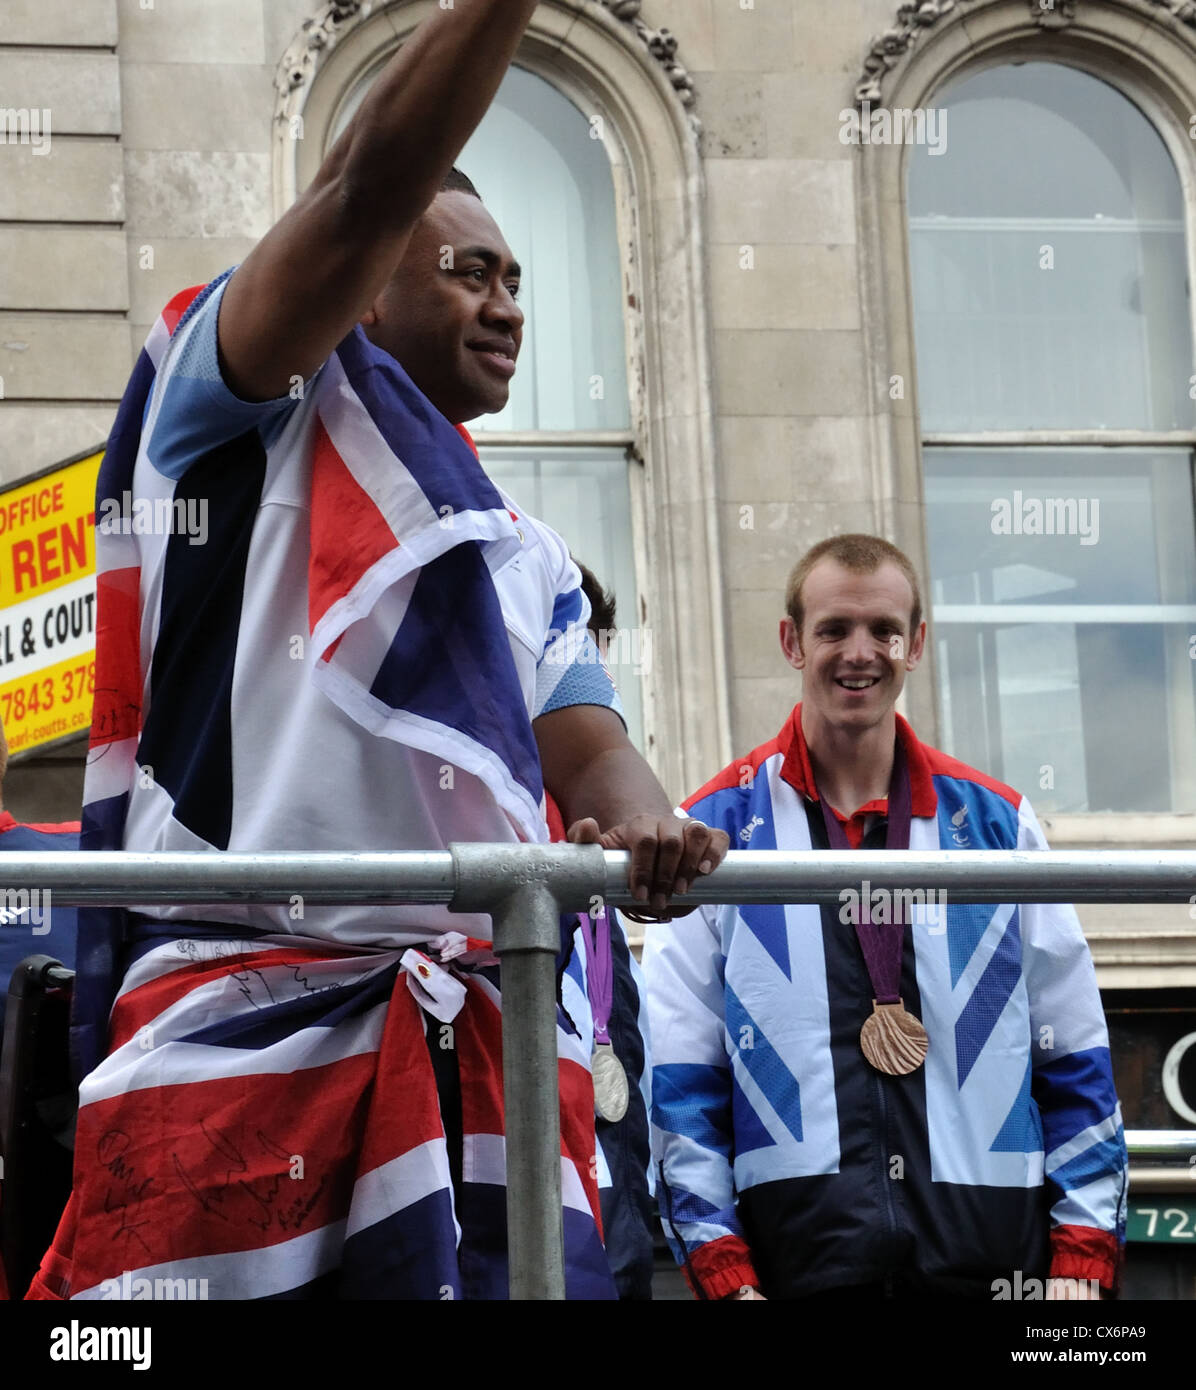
523,888
526,941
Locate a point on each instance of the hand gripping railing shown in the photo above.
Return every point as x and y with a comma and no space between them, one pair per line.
526,887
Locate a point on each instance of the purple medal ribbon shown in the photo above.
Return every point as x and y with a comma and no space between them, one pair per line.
881,943
599,972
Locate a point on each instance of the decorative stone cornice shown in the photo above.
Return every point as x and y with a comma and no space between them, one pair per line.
661,44
1183,10
890,48
317,36
1052,14
323,31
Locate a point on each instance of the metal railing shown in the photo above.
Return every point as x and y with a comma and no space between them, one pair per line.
526,887
1162,1160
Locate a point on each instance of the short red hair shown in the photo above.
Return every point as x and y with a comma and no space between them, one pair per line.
856,552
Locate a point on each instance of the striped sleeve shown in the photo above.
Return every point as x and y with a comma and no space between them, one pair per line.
571,669
192,410
1086,1165
692,1130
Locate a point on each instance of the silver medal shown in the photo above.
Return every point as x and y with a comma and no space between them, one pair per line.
611,1096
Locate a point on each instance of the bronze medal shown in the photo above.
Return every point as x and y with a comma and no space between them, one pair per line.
893,1040
611,1095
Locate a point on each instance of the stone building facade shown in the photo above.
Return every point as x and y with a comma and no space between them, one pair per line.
773,387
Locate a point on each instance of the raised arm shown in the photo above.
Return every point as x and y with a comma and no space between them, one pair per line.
318,270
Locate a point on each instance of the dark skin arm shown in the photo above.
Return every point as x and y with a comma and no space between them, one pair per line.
608,795
321,267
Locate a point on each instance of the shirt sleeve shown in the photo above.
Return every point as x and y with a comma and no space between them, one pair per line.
1086,1164
571,669
692,1126
192,411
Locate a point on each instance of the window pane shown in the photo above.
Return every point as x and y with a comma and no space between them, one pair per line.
1048,259
550,189
585,495
1064,602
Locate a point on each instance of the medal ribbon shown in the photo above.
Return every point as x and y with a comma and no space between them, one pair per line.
880,942
599,972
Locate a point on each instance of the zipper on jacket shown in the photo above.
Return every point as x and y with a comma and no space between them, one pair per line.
885,1179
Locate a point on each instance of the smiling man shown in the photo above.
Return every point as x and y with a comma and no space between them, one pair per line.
375,650
885,1097
460,329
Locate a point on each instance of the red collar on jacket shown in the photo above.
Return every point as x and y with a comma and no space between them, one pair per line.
798,772
9,822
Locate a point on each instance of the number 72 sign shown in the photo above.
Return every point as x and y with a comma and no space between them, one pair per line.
1166,1222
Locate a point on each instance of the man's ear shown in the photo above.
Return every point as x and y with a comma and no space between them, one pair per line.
791,643
916,647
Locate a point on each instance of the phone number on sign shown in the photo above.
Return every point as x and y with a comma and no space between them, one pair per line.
37,697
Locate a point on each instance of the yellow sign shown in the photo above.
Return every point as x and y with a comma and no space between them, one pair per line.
48,604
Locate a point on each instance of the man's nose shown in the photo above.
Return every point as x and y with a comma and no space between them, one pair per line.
859,648
502,307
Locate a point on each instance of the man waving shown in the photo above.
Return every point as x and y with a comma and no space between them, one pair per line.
374,650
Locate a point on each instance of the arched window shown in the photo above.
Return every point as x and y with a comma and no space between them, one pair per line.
563,446
1054,342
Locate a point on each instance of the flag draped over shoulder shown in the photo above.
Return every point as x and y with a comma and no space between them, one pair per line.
405,533
260,1114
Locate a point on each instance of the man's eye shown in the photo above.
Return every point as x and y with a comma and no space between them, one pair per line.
513,289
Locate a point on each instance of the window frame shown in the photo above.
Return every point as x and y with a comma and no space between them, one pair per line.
1031,442
1153,70
1139,49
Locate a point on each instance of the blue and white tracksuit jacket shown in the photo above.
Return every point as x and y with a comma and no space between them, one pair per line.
787,1162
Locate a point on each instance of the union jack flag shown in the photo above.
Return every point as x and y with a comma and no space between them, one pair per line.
348,657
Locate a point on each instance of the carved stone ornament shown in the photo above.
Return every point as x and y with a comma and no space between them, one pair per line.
888,50
1052,14
661,44
318,35
1183,10
321,33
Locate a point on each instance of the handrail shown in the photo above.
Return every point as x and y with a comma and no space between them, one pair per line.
525,887
1161,1143
574,874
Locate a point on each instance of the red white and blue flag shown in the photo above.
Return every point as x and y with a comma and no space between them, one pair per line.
267,1126
338,641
